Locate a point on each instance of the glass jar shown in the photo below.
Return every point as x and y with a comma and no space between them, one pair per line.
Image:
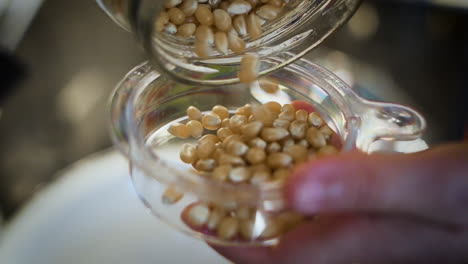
145,102
302,25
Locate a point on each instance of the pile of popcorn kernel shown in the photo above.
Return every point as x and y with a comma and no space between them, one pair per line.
257,144
218,23
222,24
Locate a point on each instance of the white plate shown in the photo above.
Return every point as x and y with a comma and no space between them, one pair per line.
92,215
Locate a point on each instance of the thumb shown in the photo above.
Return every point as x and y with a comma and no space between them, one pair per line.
431,184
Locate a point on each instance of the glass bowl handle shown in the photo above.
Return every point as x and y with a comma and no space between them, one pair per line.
386,121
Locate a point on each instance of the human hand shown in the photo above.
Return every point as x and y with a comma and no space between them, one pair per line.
377,208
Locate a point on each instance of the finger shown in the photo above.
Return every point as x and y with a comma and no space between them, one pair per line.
245,255
298,104
430,184
359,239
371,240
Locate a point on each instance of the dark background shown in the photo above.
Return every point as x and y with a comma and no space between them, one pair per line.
72,56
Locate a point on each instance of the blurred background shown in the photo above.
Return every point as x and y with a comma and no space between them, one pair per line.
61,59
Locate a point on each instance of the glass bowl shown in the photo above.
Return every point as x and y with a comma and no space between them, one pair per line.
145,103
